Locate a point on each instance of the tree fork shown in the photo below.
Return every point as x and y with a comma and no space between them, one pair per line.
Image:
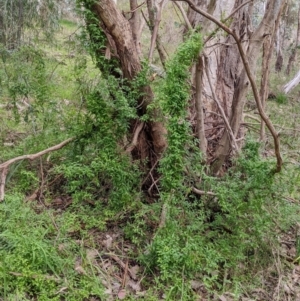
118,28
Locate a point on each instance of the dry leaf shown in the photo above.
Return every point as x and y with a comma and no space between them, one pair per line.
196,284
108,241
91,254
108,291
134,285
134,271
61,290
222,298
62,247
80,270
122,294
116,286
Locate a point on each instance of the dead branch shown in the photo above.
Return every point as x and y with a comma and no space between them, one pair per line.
133,144
292,84
202,192
4,167
251,117
163,216
251,78
122,264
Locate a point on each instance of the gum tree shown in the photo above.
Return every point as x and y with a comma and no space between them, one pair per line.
224,72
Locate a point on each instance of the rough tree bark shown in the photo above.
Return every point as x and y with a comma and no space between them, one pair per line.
232,81
293,57
118,29
268,47
135,23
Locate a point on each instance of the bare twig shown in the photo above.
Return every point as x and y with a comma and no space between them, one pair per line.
202,192
135,9
4,167
123,265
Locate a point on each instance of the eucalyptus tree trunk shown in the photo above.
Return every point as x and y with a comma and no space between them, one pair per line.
295,50
120,37
2,29
229,78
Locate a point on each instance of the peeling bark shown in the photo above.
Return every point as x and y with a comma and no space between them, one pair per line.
249,52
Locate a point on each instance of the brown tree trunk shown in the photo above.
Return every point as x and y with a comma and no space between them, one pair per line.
272,13
279,40
230,78
200,106
268,47
117,28
135,24
293,56
2,29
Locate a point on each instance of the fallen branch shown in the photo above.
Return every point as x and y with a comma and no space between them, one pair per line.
202,192
4,167
292,84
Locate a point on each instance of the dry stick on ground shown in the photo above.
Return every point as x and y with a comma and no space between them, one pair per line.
234,145
251,78
202,192
5,166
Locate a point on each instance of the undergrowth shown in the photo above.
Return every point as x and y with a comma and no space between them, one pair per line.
218,240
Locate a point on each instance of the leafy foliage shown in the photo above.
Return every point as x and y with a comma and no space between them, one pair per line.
216,240
36,260
19,15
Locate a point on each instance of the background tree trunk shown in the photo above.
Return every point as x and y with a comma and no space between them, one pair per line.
293,56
